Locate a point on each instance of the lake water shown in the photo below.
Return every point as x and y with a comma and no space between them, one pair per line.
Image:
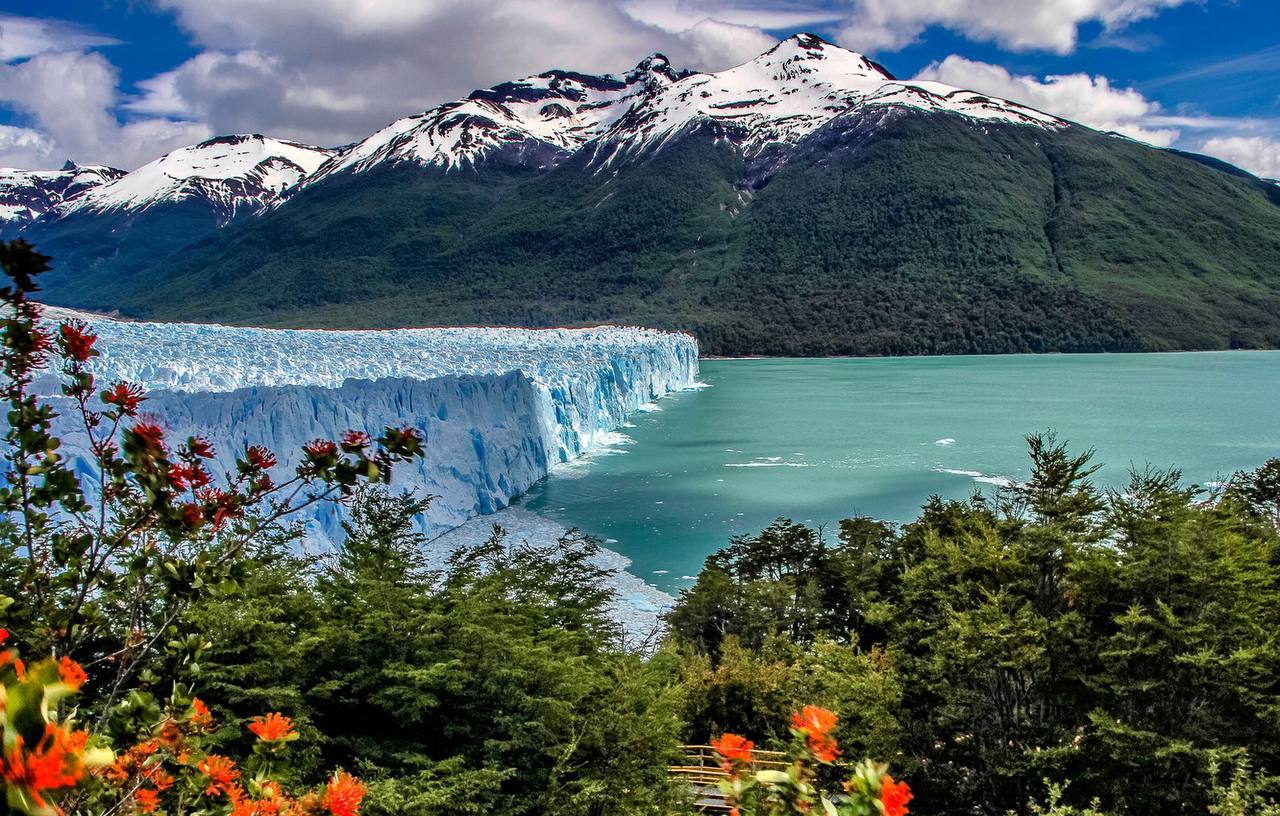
821,440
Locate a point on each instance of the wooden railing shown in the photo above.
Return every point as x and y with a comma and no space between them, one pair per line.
700,769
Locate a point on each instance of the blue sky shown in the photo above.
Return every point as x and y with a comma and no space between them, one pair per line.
122,81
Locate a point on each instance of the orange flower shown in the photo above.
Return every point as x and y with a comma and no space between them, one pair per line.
159,777
815,724
733,748
272,728
202,718
221,773
894,796
53,764
71,673
169,735
813,720
343,794
148,800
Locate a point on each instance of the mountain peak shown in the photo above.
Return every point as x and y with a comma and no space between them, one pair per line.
802,54
654,66
230,171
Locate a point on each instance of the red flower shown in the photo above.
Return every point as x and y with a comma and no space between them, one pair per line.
41,340
147,800
71,673
274,727
77,340
199,446
150,437
197,475
733,747
353,441
320,448
192,515
126,396
227,508
343,794
221,773
212,495
177,477
260,458
894,796
4,635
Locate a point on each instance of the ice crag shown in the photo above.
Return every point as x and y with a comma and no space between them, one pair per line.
497,407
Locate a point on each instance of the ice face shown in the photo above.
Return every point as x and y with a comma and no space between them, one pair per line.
497,407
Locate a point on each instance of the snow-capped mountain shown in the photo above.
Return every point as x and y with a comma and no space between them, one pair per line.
777,98
231,174
25,195
805,202
551,113
791,90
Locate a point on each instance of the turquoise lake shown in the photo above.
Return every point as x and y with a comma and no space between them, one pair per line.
817,440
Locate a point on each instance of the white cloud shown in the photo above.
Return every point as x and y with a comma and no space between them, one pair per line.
681,15
330,71
1096,102
70,98
22,37
24,147
1089,100
1257,154
1019,25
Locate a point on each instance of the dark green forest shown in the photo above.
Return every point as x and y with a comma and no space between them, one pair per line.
1118,647
884,232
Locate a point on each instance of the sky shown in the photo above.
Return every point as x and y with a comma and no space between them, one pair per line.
121,82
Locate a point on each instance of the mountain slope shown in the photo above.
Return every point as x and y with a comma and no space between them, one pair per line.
804,203
25,195
229,175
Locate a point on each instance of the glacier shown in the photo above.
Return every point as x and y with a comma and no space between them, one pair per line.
497,407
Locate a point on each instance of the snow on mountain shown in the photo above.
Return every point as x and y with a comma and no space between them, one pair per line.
230,173
776,98
790,91
779,97
25,195
559,109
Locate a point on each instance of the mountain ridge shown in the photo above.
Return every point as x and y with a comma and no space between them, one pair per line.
805,202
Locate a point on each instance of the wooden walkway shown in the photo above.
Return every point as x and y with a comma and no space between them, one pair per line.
700,769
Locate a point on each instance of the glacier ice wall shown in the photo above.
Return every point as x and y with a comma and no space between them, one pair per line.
497,407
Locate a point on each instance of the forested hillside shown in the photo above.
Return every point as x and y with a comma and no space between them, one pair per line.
885,232
1112,653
